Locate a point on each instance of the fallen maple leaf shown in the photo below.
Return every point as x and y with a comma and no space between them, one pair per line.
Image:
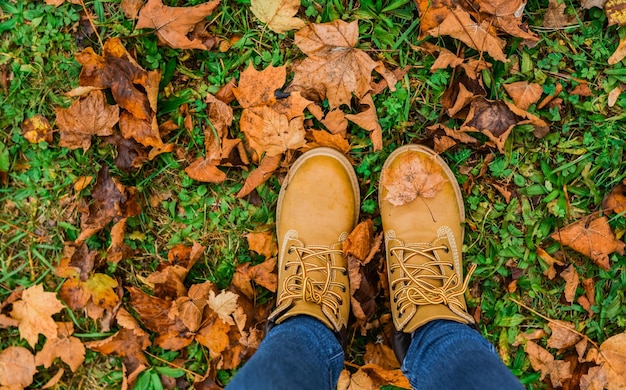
321,138
277,14
335,68
172,24
562,335
524,93
541,360
190,309
118,250
262,274
432,13
615,201
223,304
96,293
458,24
17,368
506,15
214,336
66,347
492,118
37,129
34,312
382,355
262,242
613,361
592,238
85,118
412,177
571,282
221,117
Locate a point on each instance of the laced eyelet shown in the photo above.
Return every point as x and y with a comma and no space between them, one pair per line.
290,250
447,249
395,299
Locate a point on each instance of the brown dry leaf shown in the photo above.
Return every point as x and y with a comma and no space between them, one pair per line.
588,4
257,88
205,170
382,377
223,304
617,91
262,274
590,290
432,13
262,242
191,308
110,199
17,367
555,16
97,294
37,129
492,118
336,122
458,24
34,312
277,14
146,132
334,69
55,379
225,93
446,59
562,335
221,117
542,360
571,282
591,237
172,24
524,93
118,250
506,15
131,8
321,138
66,347
368,120
117,69
445,137
381,355
613,361
413,177
82,182
268,165
581,89
595,379
359,241
615,12
129,344
550,272
615,201
214,336
84,118
7,322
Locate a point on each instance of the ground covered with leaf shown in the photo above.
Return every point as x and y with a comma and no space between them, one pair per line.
143,147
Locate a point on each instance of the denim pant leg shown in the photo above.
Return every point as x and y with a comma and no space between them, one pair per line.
300,353
449,355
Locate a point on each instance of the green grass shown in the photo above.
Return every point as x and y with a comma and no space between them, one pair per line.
554,180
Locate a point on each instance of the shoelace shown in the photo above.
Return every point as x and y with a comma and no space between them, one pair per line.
425,283
302,284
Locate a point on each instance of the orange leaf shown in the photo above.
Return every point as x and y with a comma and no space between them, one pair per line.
413,177
562,335
204,170
615,201
368,120
17,367
359,241
381,355
34,312
524,93
266,168
84,118
555,16
262,242
172,24
268,131
571,282
591,237
67,347
258,87
542,360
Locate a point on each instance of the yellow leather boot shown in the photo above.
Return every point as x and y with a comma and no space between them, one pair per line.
318,207
423,238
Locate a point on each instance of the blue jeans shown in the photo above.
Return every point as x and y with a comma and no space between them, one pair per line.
302,353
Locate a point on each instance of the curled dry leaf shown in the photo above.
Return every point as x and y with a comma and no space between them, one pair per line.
17,367
368,120
359,241
571,282
615,201
555,16
321,138
613,361
37,129
262,242
593,238
506,15
205,170
334,69
172,24
432,13
277,14
85,118
262,274
492,118
224,304
34,313
268,165
551,271
414,176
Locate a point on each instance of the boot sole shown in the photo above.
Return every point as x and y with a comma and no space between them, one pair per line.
324,151
442,163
